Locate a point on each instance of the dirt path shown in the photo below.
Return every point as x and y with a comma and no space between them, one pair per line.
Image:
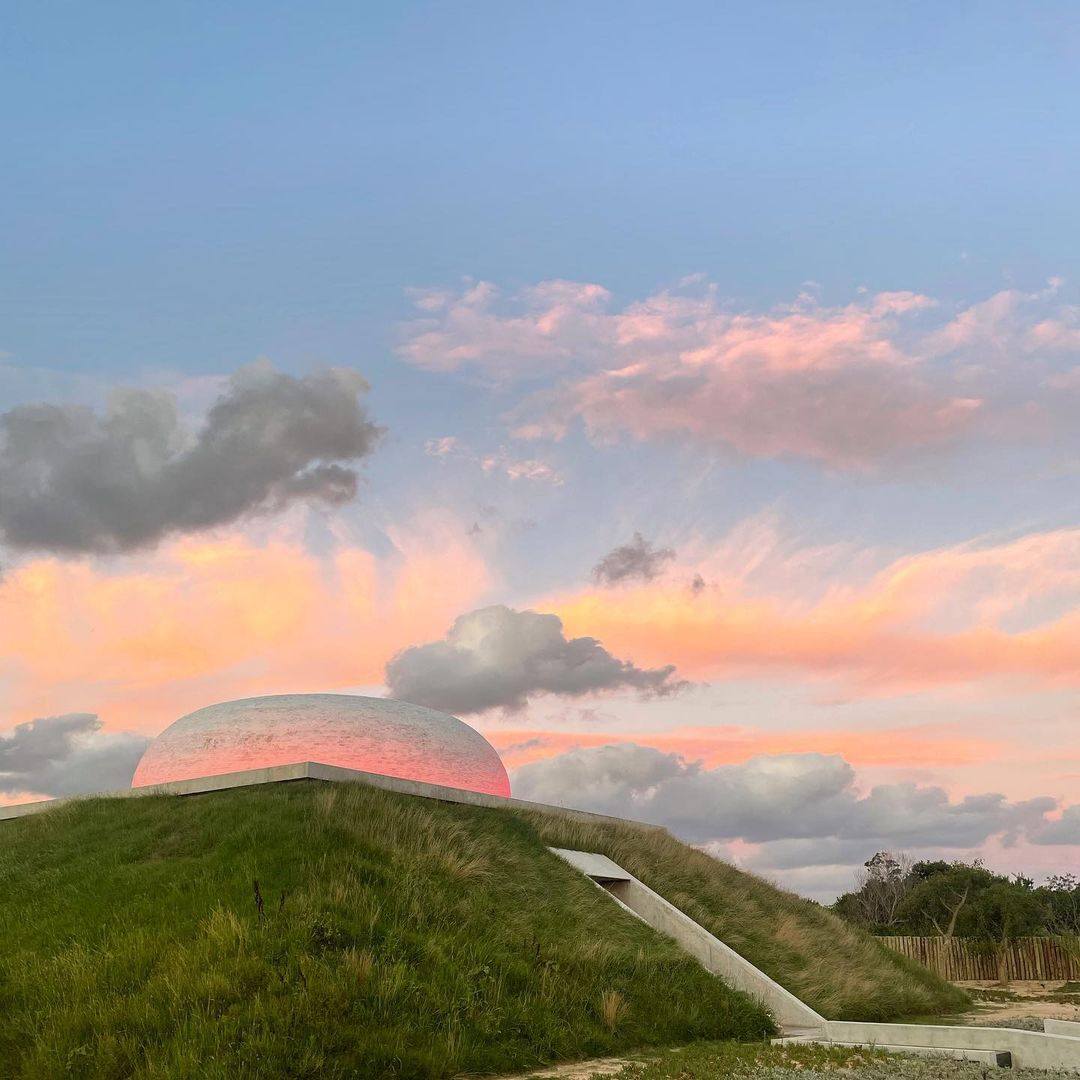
580,1070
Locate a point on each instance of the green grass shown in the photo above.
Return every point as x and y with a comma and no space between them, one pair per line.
842,972
399,937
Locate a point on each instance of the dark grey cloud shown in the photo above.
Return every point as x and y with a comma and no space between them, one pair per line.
67,755
638,560
782,797
498,658
1064,830
75,481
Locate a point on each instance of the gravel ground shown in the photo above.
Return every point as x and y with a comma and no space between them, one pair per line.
1024,1023
742,1061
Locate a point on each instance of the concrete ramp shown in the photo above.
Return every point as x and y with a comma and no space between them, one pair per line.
791,1014
1058,1047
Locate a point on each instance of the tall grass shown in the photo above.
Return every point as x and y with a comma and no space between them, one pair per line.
840,971
387,935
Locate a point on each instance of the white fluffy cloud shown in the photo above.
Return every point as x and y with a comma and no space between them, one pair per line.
497,657
805,800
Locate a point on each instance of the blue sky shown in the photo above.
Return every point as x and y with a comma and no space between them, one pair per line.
189,187
189,184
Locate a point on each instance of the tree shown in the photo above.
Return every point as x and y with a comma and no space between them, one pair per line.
880,888
1004,911
939,899
1061,897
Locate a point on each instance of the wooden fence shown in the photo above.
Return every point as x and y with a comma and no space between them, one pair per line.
960,960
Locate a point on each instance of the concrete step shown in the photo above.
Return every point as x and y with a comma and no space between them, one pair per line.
1062,1027
998,1058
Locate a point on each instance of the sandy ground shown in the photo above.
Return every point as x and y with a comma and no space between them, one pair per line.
1031,1001
582,1070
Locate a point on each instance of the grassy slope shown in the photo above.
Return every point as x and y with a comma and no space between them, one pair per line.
840,971
400,936
414,938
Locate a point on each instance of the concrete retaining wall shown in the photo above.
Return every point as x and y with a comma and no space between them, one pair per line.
1029,1049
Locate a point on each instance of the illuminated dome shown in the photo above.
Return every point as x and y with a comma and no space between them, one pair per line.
376,735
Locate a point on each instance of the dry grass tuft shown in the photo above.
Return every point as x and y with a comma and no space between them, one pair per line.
613,1009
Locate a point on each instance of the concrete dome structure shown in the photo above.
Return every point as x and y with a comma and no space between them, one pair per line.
376,735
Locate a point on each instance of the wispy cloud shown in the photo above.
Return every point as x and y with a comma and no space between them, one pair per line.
919,746
987,610
500,462
848,386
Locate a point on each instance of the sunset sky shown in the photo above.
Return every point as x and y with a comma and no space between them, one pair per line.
686,396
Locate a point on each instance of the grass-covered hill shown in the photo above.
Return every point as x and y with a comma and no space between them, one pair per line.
841,971
388,935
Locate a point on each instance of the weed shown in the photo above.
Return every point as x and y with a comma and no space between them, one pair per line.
612,1009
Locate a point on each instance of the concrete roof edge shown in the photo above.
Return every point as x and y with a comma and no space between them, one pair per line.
314,770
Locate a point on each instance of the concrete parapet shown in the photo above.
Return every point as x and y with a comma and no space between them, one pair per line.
313,770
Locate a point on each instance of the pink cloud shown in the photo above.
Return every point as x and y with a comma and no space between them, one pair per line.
974,613
500,462
553,322
831,384
147,640
910,746
846,420
847,386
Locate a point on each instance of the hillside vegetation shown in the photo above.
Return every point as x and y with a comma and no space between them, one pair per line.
390,936
387,935
837,969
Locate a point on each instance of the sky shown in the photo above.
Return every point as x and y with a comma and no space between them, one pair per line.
684,396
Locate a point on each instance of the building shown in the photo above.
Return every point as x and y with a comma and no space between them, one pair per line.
373,735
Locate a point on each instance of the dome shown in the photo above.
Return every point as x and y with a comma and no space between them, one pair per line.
376,735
